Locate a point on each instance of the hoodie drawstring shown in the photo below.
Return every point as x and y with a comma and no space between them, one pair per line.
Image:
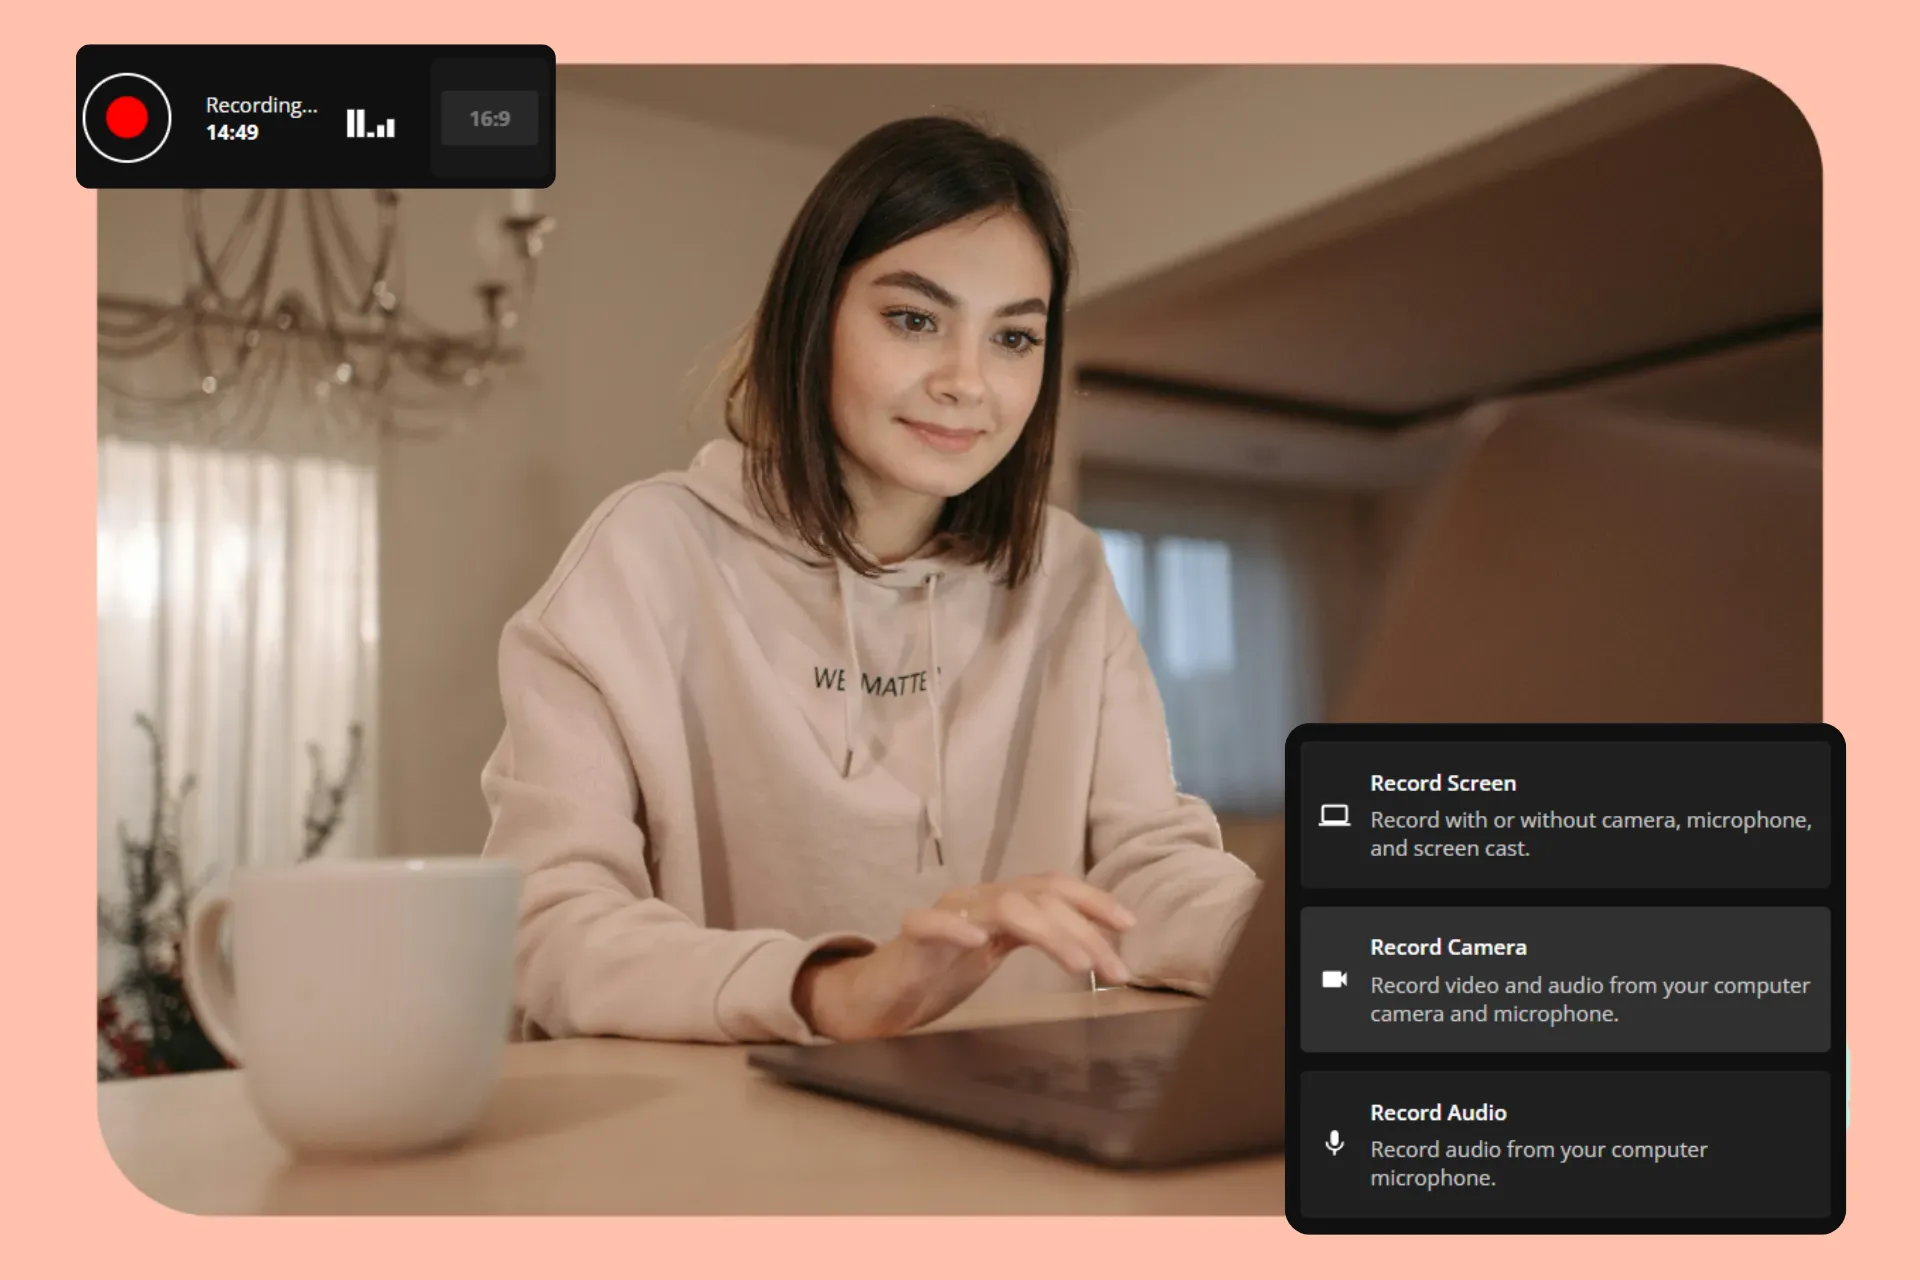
936,799
859,689
934,802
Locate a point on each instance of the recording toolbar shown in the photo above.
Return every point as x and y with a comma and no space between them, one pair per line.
210,116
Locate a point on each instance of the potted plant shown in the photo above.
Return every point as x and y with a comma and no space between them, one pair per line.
146,1023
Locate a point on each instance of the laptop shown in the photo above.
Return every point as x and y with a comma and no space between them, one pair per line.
1135,1090
1579,565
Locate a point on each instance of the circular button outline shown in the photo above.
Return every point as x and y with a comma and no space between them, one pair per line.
164,133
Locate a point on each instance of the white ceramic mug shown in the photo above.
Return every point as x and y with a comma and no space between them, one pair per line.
369,1001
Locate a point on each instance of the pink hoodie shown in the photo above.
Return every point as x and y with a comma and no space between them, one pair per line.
724,753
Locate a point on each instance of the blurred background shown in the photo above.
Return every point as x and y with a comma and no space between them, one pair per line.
1295,286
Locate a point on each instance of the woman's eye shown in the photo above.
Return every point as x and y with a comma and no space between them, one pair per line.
1020,341
911,321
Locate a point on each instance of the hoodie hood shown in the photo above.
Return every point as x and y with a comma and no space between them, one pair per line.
717,476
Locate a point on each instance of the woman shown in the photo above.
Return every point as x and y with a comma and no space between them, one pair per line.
844,723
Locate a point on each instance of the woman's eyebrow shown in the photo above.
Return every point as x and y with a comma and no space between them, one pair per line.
920,284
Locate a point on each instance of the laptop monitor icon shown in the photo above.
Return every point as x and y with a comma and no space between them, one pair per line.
1333,815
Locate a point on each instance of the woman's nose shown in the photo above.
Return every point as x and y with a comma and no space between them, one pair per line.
959,376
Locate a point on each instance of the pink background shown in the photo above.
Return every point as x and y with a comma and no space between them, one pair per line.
67,1207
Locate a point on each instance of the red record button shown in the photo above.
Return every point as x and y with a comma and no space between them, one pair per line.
126,118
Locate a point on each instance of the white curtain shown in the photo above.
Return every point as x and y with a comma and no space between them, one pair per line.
1236,595
238,611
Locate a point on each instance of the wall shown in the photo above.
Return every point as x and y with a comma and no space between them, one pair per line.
1768,392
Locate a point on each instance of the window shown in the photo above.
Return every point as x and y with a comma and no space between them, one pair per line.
1127,558
238,612
1228,589
1196,616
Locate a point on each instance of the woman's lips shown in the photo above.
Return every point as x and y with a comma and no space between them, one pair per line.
946,441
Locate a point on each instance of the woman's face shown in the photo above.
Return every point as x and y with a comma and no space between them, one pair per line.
937,356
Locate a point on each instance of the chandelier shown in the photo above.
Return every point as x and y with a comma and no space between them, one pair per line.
236,353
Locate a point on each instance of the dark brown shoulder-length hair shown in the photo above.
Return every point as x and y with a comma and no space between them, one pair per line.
902,180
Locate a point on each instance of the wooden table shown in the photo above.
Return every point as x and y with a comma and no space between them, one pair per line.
622,1127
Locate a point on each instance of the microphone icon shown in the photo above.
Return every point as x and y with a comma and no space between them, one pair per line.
1333,1142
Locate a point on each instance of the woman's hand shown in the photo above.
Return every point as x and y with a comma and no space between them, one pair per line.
944,952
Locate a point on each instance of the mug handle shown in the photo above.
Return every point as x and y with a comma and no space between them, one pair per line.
208,976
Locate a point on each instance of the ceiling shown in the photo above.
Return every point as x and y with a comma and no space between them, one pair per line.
1048,107
1703,220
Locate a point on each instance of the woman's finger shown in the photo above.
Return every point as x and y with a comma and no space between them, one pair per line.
1096,904
1020,916
1106,961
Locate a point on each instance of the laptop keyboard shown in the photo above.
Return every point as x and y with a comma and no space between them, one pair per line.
1129,1083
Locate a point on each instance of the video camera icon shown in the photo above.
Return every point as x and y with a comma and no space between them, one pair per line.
126,118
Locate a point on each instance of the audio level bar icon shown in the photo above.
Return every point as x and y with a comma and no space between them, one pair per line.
357,125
